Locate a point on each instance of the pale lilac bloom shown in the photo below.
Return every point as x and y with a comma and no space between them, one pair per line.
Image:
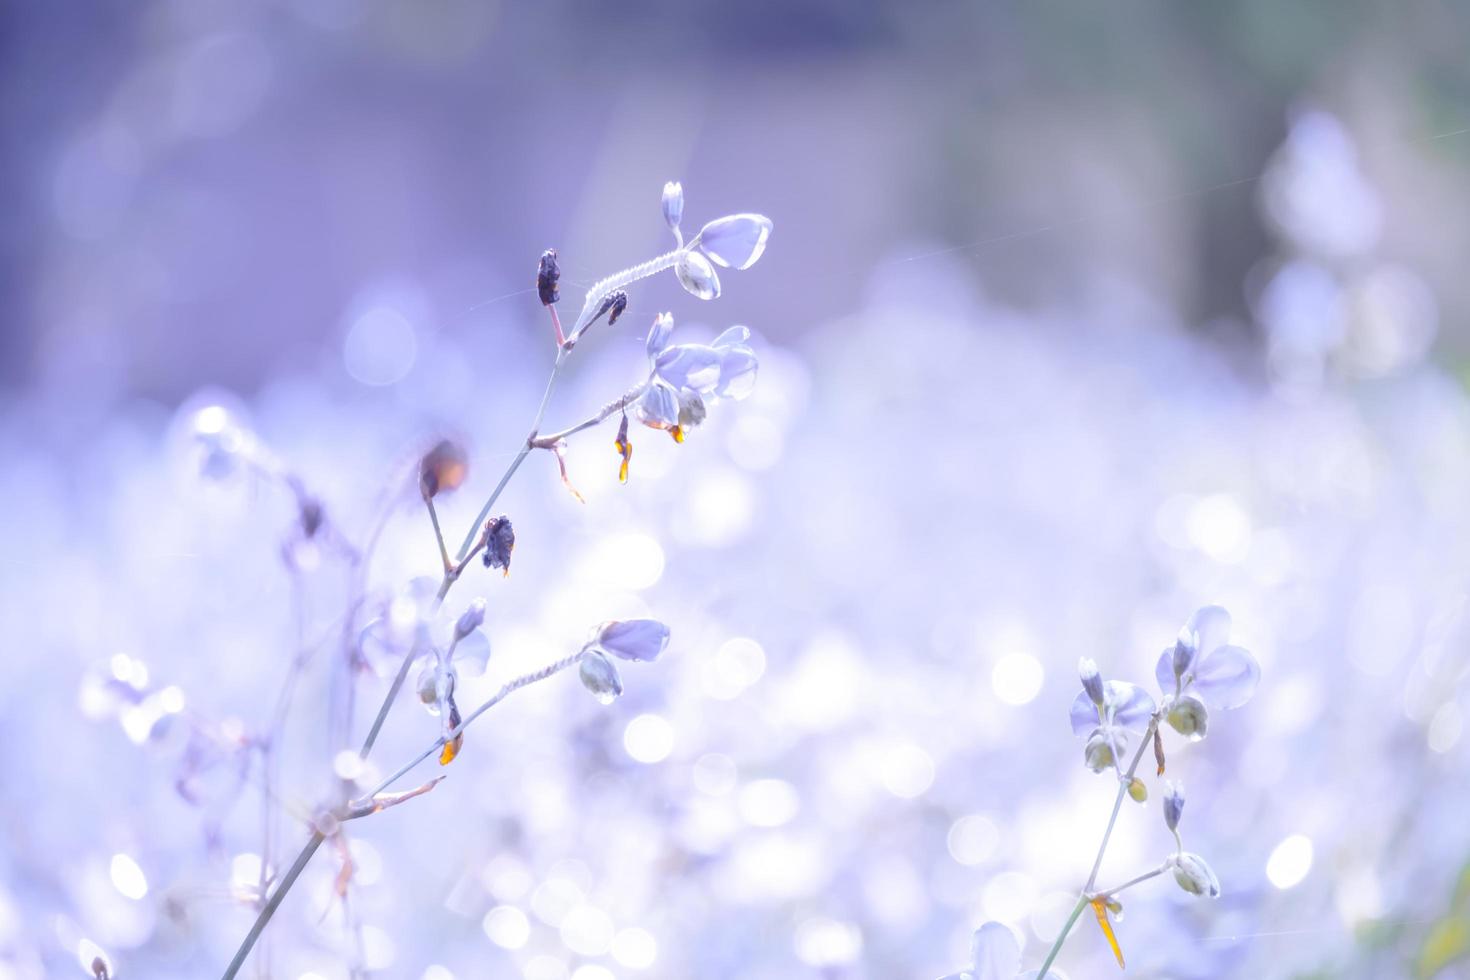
685,377
995,954
1105,711
632,639
1202,670
735,241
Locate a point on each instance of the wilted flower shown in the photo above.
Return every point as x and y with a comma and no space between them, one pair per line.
548,274
625,449
500,541
1201,669
442,468
1194,875
995,954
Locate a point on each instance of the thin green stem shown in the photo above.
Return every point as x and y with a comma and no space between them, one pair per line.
520,457
1109,892
1102,848
272,904
1056,947
507,688
438,532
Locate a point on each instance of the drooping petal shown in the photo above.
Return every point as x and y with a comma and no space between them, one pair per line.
634,639
736,240
737,373
996,951
732,337
1227,677
692,366
1084,715
1130,705
697,276
472,653
659,406
659,333
1212,625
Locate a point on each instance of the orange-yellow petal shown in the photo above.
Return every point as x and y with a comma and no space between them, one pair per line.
1100,909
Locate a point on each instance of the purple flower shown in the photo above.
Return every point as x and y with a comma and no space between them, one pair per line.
632,639
735,241
1202,670
685,377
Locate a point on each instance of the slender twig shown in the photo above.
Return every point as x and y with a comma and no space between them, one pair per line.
1102,849
520,457
1110,892
506,689
274,902
607,411
438,532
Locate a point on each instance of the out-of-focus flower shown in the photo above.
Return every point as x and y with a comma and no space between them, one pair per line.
995,954
1194,874
442,468
1202,669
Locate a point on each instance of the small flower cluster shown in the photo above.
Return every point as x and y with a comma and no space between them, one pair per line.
1201,671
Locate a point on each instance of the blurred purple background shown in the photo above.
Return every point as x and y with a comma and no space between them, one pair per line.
1075,317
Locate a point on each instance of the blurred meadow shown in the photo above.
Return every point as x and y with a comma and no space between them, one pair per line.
1075,317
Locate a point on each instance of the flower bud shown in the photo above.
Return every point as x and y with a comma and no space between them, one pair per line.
1137,790
1099,751
1184,650
1091,680
673,204
1189,717
548,274
1173,804
600,676
1194,875
697,276
470,620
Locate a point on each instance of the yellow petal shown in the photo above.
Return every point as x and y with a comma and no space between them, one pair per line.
1100,908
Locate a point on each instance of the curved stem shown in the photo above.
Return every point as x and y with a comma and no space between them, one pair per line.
507,688
1056,947
272,904
1110,892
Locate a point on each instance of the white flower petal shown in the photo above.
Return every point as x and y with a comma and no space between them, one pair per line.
634,639
1212,625
1084,715
996,950
659,406
692,366
673,204
659,334
1164,671
732,337
736,240
1227,677
737,373
1130,705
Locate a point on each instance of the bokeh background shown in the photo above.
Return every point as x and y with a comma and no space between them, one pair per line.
1075,317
